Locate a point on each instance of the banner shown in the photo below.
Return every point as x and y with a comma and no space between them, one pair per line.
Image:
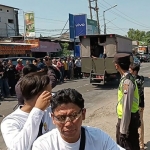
80,22
29,24
91,27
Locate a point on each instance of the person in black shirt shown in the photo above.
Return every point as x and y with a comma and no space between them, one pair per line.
97,51
134,69
13,77
4,80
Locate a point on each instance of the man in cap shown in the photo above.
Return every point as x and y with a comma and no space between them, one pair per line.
128,105
19,65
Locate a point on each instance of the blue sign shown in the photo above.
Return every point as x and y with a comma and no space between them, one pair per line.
77,51
80,22
71,26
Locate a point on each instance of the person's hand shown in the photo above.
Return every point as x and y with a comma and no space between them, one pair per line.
43,100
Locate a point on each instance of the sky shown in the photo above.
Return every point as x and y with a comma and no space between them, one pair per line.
52,15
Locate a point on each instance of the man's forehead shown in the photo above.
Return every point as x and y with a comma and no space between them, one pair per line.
68,108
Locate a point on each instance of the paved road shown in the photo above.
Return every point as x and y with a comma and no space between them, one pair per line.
96,98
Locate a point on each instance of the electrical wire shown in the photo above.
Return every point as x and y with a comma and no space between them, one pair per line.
103,6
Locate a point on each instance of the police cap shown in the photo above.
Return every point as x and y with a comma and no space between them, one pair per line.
122,58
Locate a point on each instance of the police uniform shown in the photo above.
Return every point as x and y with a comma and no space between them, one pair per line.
127,108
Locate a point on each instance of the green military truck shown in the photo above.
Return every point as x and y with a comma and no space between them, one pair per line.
102,70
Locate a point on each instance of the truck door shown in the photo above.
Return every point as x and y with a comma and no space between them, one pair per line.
85,47
86,59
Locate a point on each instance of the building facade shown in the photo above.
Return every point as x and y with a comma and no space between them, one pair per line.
8,21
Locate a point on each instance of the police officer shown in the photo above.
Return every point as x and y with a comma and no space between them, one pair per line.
128,105
134,69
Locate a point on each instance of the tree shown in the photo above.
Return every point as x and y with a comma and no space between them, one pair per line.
65,52
147,37
136,35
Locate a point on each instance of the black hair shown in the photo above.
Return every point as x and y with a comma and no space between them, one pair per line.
135,67
33,83
124,66
28,69
66,96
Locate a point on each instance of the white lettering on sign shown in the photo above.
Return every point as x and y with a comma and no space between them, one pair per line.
80,25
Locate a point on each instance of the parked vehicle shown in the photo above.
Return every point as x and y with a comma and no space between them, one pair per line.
144,57
14,59
103,70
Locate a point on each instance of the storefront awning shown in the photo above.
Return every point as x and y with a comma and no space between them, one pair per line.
45,46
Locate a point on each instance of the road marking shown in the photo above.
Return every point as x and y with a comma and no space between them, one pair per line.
82,86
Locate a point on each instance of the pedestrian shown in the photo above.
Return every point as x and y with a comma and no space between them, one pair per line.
68,112
19,65
31,120
53,73
12,77
134,69
78,67
26,70
4,80
128,105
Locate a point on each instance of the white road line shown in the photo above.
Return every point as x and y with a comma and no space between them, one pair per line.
82,86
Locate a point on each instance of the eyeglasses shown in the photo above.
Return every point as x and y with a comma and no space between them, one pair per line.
65,118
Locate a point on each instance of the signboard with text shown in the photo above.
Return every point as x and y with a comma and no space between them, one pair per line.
91,27
79,25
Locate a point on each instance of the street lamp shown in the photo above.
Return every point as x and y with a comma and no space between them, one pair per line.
104,17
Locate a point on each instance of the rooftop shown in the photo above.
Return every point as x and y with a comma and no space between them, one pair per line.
9,6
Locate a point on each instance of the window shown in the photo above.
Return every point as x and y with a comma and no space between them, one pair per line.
1,9
10,21
7,10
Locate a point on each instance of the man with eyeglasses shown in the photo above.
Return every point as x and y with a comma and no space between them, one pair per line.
67,113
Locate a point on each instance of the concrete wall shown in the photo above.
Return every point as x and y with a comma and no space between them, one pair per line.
8,29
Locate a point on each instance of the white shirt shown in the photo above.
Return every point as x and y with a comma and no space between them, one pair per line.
20,129
78,63
95,140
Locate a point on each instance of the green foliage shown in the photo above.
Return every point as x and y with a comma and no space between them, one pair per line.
65,52
137,35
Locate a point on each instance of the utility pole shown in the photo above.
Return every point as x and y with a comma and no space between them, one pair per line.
96,9
90,6
104,22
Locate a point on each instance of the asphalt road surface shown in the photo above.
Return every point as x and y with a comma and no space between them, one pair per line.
98,100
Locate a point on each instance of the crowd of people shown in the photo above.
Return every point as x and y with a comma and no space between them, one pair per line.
66,69
44,121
